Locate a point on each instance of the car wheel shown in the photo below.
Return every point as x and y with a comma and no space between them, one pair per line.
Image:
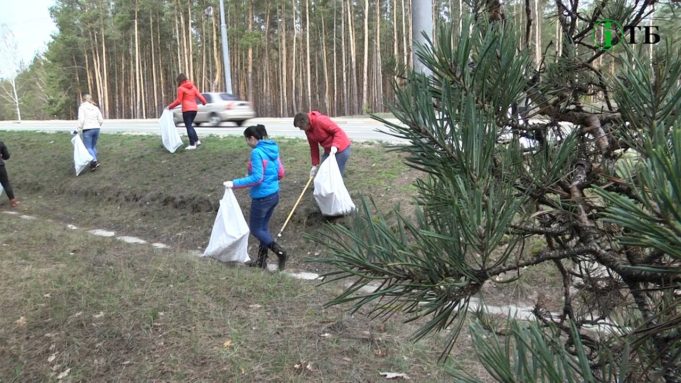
214,120
239,122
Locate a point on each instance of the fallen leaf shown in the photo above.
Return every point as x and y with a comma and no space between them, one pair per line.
127,362
52,358
227,344
97,316
303,366
255,306
395,375
79,313
21,322
64,374
47,295
326,335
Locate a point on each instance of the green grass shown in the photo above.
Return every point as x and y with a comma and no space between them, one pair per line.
143,190
111,311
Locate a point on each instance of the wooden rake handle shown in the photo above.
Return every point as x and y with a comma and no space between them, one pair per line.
295,206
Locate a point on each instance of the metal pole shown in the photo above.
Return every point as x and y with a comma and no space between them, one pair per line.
422,21
225,48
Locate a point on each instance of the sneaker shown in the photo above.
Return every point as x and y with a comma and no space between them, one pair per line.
190,147
13,202
198,143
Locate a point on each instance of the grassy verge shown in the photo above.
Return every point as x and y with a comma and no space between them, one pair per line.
144,191
96,309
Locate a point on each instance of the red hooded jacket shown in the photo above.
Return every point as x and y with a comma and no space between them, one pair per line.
323,131
187,95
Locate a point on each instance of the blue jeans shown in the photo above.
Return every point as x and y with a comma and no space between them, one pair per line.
90,137
188,118
341,158
261,212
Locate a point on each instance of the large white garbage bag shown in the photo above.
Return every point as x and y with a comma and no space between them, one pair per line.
229,238
329,190
1,190
171,139
81,157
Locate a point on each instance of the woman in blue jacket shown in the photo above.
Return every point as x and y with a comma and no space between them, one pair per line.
265,169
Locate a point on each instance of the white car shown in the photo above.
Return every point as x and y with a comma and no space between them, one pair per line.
219,107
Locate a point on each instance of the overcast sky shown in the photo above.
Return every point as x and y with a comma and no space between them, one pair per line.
30,22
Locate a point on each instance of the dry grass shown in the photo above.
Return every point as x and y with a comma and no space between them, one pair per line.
104,310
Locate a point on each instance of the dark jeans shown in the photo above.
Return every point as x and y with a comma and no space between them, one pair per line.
188,118
261,212
4,181
90,137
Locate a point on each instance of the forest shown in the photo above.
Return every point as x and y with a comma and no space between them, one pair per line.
341,57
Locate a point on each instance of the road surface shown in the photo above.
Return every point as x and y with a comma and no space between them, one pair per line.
358,129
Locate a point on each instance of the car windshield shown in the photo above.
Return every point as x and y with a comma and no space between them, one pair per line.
228,97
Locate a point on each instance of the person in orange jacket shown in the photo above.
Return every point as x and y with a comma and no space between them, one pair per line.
187,95
321,130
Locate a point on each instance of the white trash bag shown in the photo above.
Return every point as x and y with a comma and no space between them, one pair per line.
1,190
229,238
81,157
171,139
329,190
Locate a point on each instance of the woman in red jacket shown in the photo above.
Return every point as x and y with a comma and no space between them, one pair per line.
187,95
321,130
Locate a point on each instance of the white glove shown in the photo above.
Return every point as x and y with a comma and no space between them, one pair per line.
228,184
313,172
334,150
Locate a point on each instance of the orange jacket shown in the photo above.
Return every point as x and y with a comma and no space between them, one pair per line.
323,131
187,95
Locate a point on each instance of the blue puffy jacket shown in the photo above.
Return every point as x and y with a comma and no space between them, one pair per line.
265,169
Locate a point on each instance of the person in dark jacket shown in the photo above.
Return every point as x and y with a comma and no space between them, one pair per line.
187,95
321,130
265,169
4,179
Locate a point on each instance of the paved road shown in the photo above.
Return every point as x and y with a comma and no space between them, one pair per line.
359,129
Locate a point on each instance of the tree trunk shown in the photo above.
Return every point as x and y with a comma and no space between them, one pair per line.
378,71
353,62
346,91
327,106
139,107
396,54
216,57
250,54
179,44
266,94
335,74
104,101
154,78
283,57
190,44
405,54
537,34
365,69
204,75
294,94
307,54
